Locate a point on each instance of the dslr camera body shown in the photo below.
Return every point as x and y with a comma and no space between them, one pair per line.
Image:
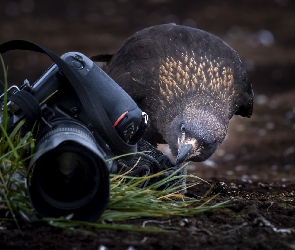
69,172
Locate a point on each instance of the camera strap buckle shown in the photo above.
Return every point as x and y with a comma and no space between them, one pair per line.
13,87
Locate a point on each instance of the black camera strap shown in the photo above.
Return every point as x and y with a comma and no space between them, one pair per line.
94,109
29,105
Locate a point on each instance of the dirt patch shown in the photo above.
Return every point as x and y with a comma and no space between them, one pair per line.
254,167
260,216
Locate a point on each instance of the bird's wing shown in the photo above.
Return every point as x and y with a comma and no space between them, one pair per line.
134,67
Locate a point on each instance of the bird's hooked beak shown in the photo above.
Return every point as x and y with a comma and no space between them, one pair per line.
184,151
187,147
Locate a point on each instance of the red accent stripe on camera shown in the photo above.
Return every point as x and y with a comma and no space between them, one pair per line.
120,118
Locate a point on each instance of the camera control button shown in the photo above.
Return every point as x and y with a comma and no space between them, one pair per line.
78,57
77,64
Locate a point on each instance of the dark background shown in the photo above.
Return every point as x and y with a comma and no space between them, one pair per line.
262,32
254,166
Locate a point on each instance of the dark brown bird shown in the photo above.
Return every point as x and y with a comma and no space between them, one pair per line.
188,81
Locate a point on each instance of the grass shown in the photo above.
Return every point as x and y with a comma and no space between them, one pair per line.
127,200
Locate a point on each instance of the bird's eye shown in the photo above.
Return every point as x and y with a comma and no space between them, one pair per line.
182,128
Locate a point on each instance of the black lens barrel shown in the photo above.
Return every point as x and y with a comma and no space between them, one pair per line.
68,173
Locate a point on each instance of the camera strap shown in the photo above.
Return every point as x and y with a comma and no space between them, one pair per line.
94,109
29,105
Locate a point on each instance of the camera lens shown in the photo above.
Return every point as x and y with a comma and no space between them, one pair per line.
69,174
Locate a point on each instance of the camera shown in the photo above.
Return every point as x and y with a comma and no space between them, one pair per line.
69,171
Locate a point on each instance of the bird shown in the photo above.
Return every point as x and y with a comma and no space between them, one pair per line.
189,82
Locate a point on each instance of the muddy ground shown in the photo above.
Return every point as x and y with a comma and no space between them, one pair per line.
255,165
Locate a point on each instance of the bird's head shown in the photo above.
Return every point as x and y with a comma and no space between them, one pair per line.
195,138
